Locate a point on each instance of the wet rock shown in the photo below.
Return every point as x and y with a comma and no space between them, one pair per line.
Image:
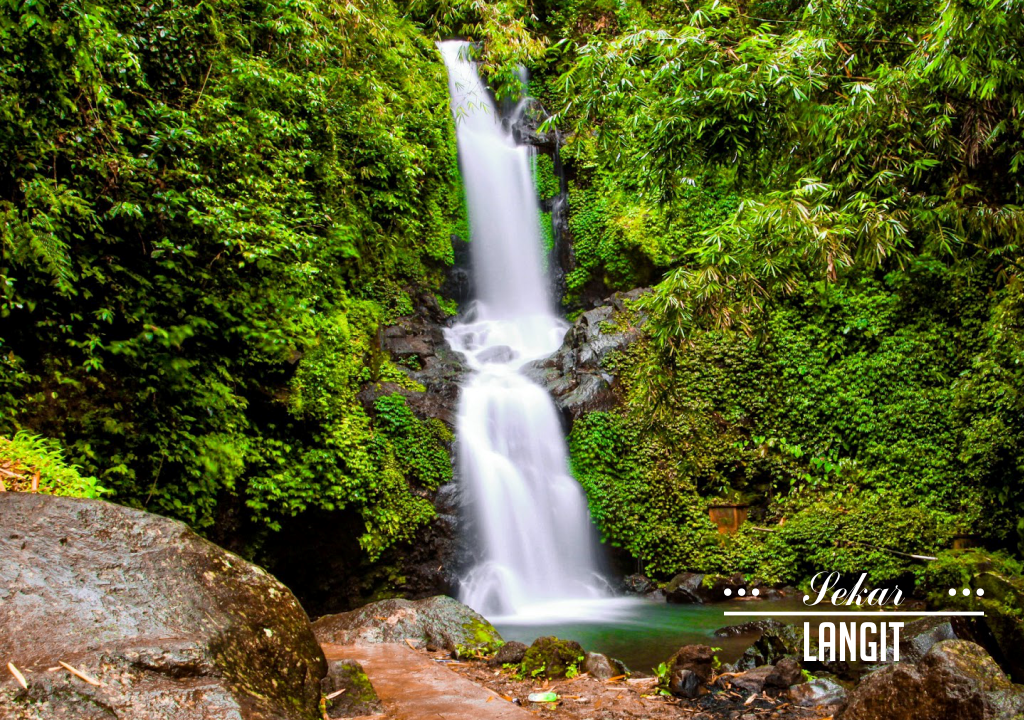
753,681
638,584
602,667
776,642
697,588
171,625
416,343
820,691
576,375
497,354
747,628
439,622
698,658
787,672
458,281
955,679
684,682
551,657
348,691
919,636
684,588
525,128
511,653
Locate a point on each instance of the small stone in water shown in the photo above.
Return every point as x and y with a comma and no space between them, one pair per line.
543,697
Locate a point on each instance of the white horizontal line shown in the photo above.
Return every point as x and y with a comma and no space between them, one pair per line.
868,614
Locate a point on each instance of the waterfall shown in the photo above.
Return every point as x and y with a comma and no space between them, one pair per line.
536,543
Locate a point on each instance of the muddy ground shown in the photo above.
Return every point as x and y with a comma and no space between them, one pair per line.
585,698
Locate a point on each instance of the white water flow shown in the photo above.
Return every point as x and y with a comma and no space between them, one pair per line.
537,546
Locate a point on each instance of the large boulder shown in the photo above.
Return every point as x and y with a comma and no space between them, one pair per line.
166,624
436,622
955,679
576,375
684,589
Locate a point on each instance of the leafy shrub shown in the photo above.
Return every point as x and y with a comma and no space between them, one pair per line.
30,463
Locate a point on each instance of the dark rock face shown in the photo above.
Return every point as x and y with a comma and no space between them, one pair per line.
416,342
511,653
439,622
638,584
955,679
526,128
317,553
550,657
1001,630
575,375
171,625
697,658
348,691
777,641
683,683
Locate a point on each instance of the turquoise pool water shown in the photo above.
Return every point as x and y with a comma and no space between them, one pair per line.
642,633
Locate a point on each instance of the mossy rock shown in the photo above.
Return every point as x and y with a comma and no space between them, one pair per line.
358,698
1001,630
550,657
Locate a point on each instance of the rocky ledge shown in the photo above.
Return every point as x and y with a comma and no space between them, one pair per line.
576,374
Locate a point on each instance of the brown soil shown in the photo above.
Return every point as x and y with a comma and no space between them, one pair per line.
585,698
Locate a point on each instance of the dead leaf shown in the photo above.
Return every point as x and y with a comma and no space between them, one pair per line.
17,675
335,694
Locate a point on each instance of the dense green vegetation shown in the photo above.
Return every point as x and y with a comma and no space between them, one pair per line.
207,214
827,199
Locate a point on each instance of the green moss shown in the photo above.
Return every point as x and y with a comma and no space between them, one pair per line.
484,634
550,657
544,176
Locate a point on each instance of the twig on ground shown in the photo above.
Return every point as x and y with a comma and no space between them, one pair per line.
79,674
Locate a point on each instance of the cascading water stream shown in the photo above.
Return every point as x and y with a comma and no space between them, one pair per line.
537,544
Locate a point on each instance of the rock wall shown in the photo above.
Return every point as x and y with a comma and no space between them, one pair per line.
576,375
